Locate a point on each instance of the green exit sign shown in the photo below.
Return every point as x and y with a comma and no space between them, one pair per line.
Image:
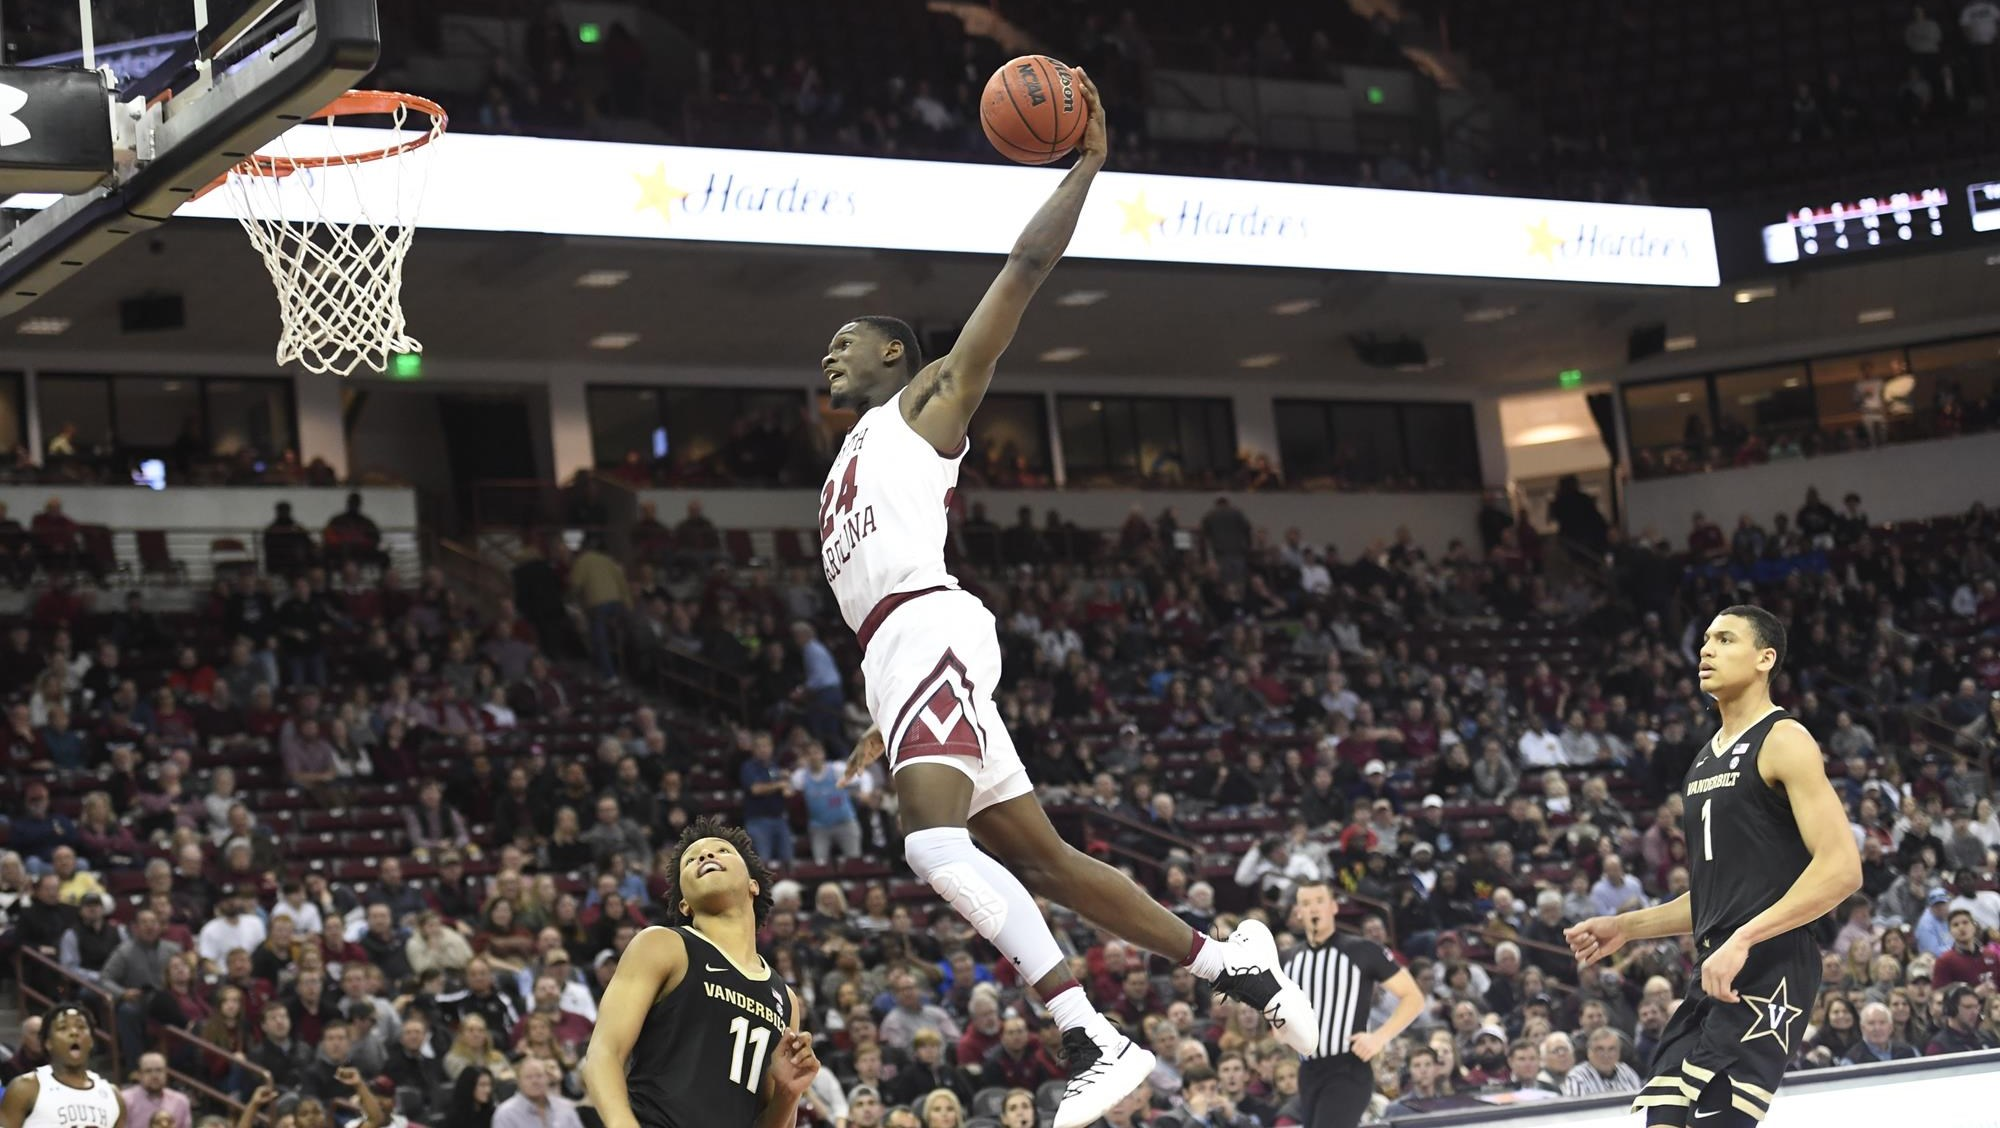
588,33
407,366
1570,377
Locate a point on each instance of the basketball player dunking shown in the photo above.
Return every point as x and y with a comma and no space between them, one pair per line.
63,1093
1769,853
931,659
696,1030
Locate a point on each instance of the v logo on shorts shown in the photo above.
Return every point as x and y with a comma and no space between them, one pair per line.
937,719
1775,1014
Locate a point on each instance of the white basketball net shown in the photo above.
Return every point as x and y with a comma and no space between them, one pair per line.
339,283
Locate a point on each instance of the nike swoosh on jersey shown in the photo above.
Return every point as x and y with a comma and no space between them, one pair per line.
712,967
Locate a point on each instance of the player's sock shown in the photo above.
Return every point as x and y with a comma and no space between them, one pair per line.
1069,1007
1205,956
988,896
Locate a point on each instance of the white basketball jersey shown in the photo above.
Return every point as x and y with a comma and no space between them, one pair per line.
61,1106
882,513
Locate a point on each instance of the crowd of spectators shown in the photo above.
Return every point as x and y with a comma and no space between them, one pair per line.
1227,712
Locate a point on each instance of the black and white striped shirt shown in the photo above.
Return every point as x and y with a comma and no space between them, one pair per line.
1340,977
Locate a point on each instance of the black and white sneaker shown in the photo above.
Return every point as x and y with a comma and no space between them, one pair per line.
1254,976
1100,1075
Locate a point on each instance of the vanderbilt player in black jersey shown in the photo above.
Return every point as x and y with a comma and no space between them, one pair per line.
696,1030
1769,853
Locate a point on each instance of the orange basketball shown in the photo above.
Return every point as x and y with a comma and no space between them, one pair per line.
1033,110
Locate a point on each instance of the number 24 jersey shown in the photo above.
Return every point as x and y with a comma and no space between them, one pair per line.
882,512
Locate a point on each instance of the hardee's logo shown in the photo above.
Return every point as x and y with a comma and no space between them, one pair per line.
1595,240
725,193
1204,219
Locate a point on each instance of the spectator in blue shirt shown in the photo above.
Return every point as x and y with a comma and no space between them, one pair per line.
1933,928
823,696
766,788
830,818
1616,891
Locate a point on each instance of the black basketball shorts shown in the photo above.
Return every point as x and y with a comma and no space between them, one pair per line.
1744,1045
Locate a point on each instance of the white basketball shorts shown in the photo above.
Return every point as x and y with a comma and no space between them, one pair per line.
930,666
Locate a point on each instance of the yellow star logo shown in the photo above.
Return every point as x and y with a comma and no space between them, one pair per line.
656,193
1775,1013
1542,242
1140,220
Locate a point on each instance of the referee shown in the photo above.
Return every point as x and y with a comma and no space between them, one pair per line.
1339,974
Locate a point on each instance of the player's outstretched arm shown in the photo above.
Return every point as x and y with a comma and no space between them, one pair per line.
1791,760
946,393
654,958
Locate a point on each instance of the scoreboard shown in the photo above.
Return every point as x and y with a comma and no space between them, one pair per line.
1983,202
1925,219
1862,225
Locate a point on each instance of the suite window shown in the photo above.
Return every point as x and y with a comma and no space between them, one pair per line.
1124,439
255,415
1377,444
734,436
1010,441
1765,401
1668,413
1835,381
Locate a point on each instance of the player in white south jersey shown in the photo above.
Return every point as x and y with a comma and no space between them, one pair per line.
63,1093
931,659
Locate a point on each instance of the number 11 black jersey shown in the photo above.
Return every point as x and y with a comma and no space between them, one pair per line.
702,1054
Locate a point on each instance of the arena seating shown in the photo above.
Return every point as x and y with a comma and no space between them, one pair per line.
1561,638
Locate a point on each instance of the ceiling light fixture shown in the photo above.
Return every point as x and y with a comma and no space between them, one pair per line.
1063,355
1875,316
1261,360
1079,298
614,340
43,327
850,290
602,279
1681,343
1548,433
1750,294
1486,315
1295,306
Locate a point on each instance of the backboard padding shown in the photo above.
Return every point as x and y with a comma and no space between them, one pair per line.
184,143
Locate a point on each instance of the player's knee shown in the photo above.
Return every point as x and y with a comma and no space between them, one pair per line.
946,861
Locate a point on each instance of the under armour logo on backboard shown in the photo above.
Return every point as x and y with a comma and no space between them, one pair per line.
13,131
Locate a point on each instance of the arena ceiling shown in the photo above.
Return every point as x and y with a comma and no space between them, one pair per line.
517,298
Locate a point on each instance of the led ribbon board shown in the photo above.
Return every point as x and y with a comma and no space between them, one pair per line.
564,187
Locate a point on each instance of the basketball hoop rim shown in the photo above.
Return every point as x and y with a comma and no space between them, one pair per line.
351,104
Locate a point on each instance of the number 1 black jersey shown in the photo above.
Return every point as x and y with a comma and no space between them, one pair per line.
701,1056
1744,847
